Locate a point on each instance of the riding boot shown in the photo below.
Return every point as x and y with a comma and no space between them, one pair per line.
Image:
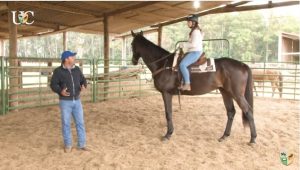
186,87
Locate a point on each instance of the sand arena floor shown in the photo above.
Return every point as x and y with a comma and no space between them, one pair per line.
126,134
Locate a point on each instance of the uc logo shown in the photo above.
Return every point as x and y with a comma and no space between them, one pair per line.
22,17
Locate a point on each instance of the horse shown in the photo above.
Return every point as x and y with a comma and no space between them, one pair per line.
233,79
273,76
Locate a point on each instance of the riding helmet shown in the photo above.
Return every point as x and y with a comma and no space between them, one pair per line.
192,17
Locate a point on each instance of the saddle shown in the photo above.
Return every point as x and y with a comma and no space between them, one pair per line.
202,65
181,55
201,60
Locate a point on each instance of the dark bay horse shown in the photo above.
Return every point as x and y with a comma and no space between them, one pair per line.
267,75
232,78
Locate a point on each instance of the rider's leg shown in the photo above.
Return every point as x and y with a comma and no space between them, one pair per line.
189,59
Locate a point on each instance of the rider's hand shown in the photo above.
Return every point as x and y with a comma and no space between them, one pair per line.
64,92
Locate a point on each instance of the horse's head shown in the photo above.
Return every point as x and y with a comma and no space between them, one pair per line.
136,48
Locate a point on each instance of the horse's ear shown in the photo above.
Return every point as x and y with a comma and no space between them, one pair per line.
141,33
133,34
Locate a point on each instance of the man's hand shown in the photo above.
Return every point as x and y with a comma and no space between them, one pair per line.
181,45
82,88
64,92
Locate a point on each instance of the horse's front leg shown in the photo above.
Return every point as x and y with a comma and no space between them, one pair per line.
167,97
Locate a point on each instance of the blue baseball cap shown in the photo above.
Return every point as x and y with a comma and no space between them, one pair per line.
67,54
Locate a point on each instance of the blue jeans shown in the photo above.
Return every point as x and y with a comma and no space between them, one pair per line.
189,59
69,109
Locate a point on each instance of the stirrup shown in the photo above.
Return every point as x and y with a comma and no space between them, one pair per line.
186,87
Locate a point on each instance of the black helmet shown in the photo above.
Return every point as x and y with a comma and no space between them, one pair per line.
192,17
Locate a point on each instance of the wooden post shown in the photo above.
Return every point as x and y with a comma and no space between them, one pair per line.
19,73
65,41
13,62
124,62
280,57
1,47
159,31
49,73
106,56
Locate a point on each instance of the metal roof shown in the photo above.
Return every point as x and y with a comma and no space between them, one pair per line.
123,16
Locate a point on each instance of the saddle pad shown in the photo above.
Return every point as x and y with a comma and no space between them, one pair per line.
208,66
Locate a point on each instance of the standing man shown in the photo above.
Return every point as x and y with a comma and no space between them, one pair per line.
68,81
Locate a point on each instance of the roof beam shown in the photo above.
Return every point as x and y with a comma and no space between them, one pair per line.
131,7
46,25
3,7
22,32
102,5
166,6
54,24
86,31
111,13
153,30
153,15
3,37
99,18
249,8
134,21
234,4
39,23
57,7
226,9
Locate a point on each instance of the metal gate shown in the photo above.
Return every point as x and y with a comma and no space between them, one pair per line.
25,82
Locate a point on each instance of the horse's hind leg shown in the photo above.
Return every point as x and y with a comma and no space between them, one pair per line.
274,85
228,102
247,116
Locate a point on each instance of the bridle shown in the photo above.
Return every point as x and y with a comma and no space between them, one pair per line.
158,60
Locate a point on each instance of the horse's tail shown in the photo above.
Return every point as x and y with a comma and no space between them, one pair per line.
280,84
248,96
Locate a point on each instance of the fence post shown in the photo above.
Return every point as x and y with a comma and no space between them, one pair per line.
94,90
295,82
263,92
120,81
6,78
2,87
49,64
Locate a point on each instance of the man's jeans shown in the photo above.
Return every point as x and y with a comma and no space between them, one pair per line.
69,109
189,59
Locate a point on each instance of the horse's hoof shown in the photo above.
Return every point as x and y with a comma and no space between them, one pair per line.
252,144
252,140
165,138
223,138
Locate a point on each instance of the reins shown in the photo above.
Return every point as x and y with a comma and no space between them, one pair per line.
166,56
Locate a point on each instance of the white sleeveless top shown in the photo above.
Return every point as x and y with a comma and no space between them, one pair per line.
195,41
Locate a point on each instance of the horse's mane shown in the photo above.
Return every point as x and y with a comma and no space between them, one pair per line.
155,49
